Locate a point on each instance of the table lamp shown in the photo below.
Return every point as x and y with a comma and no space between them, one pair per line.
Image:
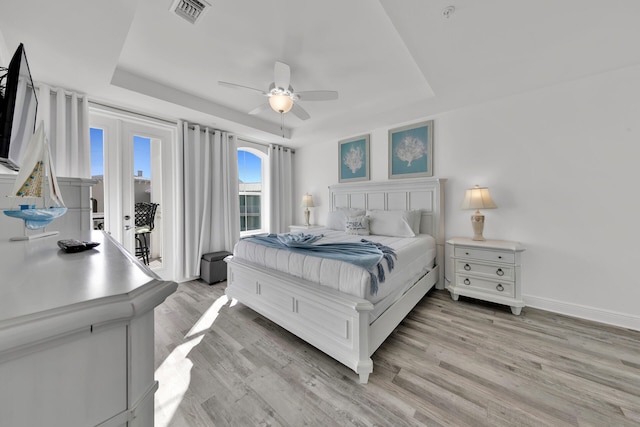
307,202
477,198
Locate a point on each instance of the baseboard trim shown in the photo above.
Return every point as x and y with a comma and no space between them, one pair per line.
584,312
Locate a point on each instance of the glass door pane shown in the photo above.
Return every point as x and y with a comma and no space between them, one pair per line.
148,235
97,173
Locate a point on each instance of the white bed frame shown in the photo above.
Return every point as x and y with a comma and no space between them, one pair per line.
334,322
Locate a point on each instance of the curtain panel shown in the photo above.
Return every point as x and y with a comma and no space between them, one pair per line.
66,123
209,182
280,188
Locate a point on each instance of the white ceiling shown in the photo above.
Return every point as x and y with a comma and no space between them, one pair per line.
391,61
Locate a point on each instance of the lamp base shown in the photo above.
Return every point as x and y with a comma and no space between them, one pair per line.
307,214
477,222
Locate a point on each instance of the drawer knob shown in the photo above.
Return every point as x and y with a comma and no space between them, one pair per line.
466,253
500,288
467,281
467,267
499,256
499,272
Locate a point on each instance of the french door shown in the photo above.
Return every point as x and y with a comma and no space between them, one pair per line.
137,167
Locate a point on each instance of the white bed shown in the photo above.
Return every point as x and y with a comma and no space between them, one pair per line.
415,256
336,312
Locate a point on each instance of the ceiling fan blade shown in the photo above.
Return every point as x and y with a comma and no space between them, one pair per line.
317,95
260,108
237,86
299,112
282,75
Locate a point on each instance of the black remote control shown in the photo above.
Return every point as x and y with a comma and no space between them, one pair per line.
72,245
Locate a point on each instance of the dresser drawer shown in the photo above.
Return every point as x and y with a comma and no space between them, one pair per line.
485,254
501,272
506,289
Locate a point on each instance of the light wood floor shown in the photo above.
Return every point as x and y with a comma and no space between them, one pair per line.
448,363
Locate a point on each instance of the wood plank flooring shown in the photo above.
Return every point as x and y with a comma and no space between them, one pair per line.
465,363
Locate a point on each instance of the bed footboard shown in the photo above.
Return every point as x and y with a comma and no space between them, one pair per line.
333,322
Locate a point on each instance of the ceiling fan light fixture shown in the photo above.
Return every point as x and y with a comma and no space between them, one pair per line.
281,103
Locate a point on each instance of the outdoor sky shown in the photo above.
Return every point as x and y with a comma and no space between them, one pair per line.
249,165
141,154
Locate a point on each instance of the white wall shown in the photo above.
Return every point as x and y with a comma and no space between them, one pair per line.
561,164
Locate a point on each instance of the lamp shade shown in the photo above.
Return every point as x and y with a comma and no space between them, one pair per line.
281,103
307,201
478,198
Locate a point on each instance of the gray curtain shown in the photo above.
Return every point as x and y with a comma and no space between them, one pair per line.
65,115
280,188
209,184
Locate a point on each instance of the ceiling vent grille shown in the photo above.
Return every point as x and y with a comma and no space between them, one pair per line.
190,10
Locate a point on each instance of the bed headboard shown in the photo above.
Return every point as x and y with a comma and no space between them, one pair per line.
426,194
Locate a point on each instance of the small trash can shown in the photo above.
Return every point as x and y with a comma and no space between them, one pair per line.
213,269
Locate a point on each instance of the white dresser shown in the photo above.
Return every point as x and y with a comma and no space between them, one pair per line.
488,270
76,334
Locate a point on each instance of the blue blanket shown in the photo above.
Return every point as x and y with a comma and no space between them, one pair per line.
365,254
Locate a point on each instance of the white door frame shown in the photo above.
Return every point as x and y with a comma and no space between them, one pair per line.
119,129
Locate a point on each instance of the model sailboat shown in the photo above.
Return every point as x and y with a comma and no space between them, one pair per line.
37,180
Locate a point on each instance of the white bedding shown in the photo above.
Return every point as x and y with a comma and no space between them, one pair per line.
415,257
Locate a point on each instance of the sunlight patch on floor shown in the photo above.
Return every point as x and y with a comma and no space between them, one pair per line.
207,319
174,377
174,374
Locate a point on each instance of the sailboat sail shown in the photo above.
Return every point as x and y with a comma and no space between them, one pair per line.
30,183
32,187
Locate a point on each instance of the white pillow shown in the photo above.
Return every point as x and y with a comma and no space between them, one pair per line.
416,217
393,223
337,219
358,225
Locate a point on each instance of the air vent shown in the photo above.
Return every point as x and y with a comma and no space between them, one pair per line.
190,10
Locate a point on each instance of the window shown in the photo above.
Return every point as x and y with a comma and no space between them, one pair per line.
250,169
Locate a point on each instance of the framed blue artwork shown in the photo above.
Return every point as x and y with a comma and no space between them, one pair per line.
411,151
353,159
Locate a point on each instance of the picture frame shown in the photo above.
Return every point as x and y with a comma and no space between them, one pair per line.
353,159
411,150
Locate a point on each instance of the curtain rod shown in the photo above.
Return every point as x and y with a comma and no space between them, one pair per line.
135,113
265,144
67,93
191,126
172,122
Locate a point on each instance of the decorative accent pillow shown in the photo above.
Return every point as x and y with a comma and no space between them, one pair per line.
393,223
358,225
337,219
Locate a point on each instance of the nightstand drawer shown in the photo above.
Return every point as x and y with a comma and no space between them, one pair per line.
485,254
502,272
489,286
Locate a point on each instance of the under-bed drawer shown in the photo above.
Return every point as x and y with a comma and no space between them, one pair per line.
274,299
331,322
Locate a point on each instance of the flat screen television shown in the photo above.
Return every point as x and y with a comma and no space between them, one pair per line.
18,108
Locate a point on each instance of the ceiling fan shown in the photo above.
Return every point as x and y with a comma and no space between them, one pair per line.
282,97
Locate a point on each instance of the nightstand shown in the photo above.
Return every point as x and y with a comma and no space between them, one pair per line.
303,228
488,270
